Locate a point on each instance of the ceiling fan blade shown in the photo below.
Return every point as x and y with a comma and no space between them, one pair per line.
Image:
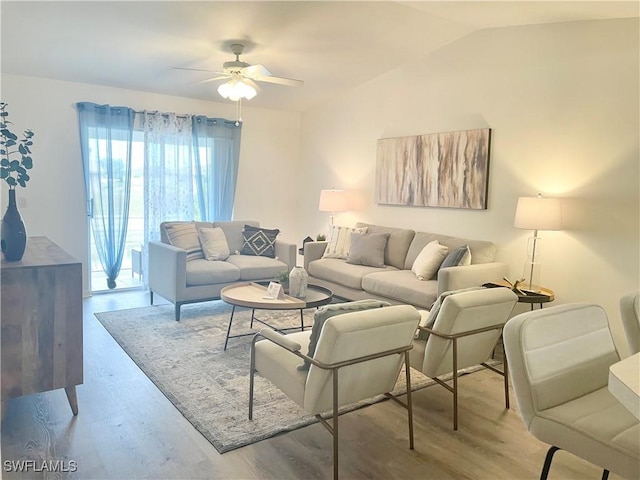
256,71
262,74
279,80
213,79
248,81
195,69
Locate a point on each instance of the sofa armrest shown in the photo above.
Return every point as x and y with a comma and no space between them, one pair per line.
167,270
313,251
455,278
286,252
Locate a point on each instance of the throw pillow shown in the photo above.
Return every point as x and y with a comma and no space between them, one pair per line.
340,241
259,241
214,243
466,259
455,258
185,236
435,309
428,260
368,249
325,313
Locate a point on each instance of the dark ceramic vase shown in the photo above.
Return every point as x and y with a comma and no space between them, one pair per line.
14,233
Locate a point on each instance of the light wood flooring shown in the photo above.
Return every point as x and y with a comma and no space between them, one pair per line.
127,429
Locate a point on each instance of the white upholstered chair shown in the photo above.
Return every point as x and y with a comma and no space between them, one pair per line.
358,355
630,313
465,333
559,360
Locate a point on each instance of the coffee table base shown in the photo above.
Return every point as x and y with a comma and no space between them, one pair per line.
253,318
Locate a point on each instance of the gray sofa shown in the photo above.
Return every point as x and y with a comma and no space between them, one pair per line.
181,281
395,282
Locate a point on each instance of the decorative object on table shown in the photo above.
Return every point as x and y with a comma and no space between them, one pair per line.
298,280
515,285
434,170
321,238
332,201
536,213
15,160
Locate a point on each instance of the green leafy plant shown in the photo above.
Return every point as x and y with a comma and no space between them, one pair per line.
15,155
282,277
321,238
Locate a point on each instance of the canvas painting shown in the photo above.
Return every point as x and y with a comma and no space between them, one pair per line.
434,170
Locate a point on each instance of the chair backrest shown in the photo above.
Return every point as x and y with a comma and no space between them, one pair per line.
353,335
630,313
463,312
558,354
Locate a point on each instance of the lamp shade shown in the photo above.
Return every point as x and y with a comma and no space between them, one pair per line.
332,201
537,213
235,89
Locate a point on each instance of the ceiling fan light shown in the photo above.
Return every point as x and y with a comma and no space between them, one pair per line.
234,90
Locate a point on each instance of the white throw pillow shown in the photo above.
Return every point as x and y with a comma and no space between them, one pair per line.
428,260
214,243
339,241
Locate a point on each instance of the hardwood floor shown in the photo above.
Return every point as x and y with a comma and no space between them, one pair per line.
127,429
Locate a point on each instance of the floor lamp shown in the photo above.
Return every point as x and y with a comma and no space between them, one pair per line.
536,213
332,201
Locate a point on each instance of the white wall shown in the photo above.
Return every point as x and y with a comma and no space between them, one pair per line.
562,102
55,194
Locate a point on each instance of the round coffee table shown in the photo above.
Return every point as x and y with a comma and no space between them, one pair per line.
252,295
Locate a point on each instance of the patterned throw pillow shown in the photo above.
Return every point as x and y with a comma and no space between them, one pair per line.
185,236
339,241
259,241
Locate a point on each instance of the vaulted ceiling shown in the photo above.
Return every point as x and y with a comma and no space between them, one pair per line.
332,45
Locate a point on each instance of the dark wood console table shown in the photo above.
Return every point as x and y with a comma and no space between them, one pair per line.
41,319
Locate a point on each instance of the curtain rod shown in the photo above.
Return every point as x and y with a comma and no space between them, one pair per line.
230,122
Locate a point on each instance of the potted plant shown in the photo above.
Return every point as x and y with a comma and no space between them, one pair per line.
15,160
283,279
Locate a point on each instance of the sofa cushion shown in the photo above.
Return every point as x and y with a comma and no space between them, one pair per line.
481,251
397,245
214,243
339,241
401,285
204,272
259,241
428,261
368,249
185,236
257,268
233,232
339,271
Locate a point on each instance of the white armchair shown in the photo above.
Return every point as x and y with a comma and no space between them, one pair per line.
630,313
559,359
465,333
359,355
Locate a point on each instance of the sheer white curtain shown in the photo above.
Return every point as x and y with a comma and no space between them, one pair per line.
169,172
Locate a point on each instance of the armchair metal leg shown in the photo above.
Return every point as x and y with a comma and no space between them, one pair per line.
505,367
335,424
407,373
178,305
455,384
547,462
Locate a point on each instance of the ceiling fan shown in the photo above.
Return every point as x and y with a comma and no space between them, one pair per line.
242,77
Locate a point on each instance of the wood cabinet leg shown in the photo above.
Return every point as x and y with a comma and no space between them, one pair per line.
73,399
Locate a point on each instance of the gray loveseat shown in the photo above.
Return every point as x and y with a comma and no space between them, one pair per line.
395,282
175,276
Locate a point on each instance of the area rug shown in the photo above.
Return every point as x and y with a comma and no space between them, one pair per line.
208,385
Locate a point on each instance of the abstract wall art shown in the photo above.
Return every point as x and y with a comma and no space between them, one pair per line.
434,170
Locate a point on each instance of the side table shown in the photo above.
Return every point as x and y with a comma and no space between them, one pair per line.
543,296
